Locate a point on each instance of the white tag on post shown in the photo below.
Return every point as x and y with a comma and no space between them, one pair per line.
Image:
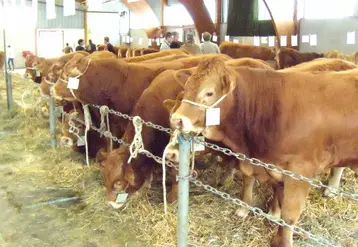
271,41
198,146
215,38
263,40
149,42
236,41
313,39
283,40
121,197
81,141
305,38
38,73
351,38
212,117
294,40
73,83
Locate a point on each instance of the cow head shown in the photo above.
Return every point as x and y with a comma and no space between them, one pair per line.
207,87
118,176
73,68
69,138
30,72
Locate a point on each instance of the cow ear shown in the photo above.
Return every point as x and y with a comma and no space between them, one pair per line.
229,82
169,104
101,156
182,76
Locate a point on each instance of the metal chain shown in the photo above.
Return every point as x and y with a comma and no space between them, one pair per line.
256,162
224,195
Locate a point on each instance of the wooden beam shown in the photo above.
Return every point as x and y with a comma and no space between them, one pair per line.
200,15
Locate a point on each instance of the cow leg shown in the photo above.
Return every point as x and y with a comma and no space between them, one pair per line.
247,195
275,207
294,196
334,180
172,196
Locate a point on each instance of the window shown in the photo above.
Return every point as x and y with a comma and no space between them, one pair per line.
328,9
281,9
211,7
177,15
310,9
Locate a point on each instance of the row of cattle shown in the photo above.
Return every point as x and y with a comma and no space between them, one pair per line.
302,119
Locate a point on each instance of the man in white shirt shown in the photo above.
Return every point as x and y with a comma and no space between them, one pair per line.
166,43
208,47
10,57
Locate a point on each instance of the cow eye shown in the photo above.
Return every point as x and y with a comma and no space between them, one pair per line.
209,94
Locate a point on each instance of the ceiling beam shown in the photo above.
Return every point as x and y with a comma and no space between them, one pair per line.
200,15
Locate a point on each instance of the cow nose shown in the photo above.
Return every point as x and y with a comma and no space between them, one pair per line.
178,123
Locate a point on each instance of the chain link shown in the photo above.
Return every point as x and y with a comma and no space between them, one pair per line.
223,195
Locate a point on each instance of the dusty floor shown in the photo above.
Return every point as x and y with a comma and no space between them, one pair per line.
32,173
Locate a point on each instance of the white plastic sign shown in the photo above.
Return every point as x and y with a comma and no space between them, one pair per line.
305,38
121,197
294,40
212,117
158,42
283,40
80,141
215,38
198,146
271,41
227,38
149,42
236,41
73,83
264,40
256,41
313,39
38,73
351,38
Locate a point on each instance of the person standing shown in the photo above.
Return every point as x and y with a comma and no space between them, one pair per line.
167,41
176,43
108,46
190,45
80,47
208,47
67,49
10,57
91,47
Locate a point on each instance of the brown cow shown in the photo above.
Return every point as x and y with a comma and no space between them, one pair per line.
155,55
336,54
146,51
129,52
101,47
238,51
287,57
166,58
136,52
30,72
322,64
287,119
122,52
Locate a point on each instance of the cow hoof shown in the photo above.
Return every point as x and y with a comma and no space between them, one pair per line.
328,193
242,212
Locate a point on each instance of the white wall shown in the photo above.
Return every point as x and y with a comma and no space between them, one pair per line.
331,34
101,25
136,34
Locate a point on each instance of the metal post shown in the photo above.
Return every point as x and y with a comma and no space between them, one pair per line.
52,122
7,74
183,190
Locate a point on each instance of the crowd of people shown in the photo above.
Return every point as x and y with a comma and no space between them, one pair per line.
91,47
171,41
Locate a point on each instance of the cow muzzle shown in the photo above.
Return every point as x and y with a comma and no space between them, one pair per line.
184,124
172,154
66,142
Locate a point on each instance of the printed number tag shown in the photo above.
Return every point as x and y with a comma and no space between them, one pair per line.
81,141
212,116
121,197
198,146
73,83
38,74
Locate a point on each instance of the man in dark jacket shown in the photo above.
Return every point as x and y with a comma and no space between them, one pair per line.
80,45
91,47
109,46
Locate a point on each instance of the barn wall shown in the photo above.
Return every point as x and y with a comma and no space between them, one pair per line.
136,34
331,34
61,22
103,24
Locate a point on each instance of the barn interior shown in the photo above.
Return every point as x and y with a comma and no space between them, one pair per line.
54,195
